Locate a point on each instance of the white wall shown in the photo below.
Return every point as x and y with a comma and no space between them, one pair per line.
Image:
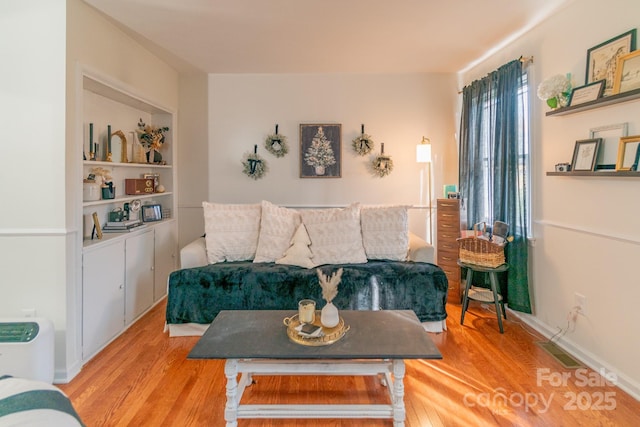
396,109
33,236
587,239
193,185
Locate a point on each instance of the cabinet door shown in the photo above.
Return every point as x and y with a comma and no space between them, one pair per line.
138,275
102,296
166,255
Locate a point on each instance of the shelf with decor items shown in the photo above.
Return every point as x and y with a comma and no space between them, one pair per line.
597,103
128,268
612,174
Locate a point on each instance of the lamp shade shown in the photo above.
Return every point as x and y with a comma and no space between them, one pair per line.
423,151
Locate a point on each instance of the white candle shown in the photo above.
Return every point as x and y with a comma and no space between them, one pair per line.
307,311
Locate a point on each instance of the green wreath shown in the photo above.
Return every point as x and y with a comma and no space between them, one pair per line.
276,144
362,144
253,165
382,165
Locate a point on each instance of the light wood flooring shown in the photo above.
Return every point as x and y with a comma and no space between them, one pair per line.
143,378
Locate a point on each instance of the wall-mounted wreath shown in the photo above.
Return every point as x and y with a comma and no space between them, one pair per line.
253,165
276,144
382,165
362,144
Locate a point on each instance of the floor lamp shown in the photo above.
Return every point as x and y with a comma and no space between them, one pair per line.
423,155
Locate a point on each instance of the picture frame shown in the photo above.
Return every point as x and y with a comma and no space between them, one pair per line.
151,213
608,152
602,59
97,230
627,73
585,154
628,153
320,150
587,93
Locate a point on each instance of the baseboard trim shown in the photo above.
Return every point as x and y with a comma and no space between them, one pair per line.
625,383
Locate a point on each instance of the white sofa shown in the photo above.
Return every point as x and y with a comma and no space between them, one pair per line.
247,246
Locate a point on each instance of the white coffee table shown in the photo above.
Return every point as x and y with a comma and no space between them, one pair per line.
255,342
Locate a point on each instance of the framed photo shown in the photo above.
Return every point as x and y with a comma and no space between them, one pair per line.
584,154
628,153
602,59
627,73
610,136
97,230
587,93
151,213
320,150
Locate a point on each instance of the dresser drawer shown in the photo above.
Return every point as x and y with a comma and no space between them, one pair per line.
449,205
448,258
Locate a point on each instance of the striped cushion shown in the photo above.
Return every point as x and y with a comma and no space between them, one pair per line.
34,403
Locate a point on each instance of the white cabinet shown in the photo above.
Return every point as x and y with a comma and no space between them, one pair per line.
166,256
122,279
102,296
139,264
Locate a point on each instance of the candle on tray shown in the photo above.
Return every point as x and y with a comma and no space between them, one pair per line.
307,311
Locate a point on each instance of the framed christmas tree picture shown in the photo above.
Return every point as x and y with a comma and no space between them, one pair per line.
320,150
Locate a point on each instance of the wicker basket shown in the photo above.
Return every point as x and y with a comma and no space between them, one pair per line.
480,252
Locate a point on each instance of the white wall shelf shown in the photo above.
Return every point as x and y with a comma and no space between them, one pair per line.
127,198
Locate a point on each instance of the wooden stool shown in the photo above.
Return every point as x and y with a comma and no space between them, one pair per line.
477,295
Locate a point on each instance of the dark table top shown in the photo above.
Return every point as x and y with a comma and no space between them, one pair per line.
384,334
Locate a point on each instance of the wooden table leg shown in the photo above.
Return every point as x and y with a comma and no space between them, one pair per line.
231,408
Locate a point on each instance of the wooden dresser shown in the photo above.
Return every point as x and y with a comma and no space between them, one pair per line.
448,226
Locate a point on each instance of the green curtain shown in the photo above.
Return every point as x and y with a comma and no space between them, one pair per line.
493,166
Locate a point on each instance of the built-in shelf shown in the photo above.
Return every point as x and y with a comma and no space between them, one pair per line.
126,198
125,165
601,102
601,174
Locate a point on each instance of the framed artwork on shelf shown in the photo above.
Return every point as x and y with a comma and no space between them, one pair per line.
602,59
320,150
97,230
627,73
608,152
586,93
628,153
584,154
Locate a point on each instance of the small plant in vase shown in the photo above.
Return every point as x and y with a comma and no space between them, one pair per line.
151,138
329,315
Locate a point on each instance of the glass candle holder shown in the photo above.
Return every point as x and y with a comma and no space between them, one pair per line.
307,311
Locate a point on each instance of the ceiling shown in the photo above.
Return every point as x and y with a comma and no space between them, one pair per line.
328,36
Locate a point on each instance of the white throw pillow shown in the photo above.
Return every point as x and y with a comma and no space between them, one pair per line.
231,231
335,235
385,232
298,253
277,226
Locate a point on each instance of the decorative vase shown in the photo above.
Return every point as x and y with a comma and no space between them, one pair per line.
319,170
154,156
329,315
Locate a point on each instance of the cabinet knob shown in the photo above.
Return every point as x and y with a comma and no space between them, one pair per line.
121,286
152,268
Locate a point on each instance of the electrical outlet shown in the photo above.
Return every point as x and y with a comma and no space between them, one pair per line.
580,301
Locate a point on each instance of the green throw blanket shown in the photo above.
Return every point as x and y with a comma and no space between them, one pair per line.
197,295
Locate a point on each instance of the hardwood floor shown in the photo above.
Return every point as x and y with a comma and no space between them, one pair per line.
484,379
